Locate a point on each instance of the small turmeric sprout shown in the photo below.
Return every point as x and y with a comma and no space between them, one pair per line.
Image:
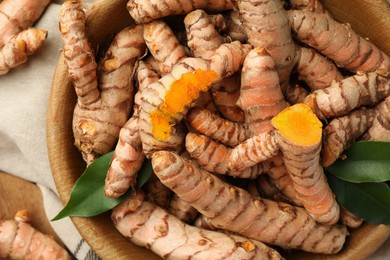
299,134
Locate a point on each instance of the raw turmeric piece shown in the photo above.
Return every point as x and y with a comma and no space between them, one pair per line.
261,97
126,161
380,128
214,157
18,15
232,208
317,71
337,42
342,131
148,225
266,189
167,101
235,29
225,94
299,133
143,11
253,151
203,38
341,97
217,128
167,54
15,51
101,111
267,26
19,240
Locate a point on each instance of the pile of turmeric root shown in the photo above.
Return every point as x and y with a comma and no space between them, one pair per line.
239,105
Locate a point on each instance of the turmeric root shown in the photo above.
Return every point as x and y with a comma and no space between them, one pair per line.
316,70
225,94
16,50
261,97
345,95
218,129
342,131
337,41
167,54
167,101
100,112
299,132
146,224
233,209
214,157
350,220
267,26
203,38
182,210
19,240
254,150
143,11
380,128
18,15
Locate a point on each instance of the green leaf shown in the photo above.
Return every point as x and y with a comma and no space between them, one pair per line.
366,161
369,201
87,197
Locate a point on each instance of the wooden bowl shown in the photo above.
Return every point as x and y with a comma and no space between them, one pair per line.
370,18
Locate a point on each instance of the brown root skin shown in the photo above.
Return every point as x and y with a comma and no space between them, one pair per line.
310,5
157,193
337,42
14,53
100,111
16,16
148,225
343,131
362,89
143,11
261,97
217,128
296,94
298,132
182,210
168,54
316,70
234,209
380,128
267,26
19,240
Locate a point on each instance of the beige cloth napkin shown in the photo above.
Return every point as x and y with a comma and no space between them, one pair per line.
23,149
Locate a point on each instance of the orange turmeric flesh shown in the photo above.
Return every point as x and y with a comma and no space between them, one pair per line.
299,124
186,89
180,95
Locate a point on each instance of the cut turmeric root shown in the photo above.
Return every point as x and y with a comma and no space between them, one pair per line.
299,133
148,225
234,209
19,240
